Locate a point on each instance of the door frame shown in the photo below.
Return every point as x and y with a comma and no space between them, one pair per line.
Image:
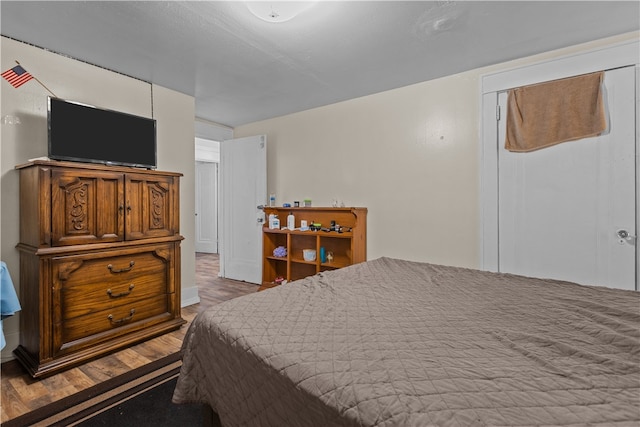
609,57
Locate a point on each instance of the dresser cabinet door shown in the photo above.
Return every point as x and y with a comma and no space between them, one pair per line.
151,206
101,295
87,207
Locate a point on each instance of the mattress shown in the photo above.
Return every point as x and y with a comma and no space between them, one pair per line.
398,343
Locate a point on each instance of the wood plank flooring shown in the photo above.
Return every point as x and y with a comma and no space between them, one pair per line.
19,393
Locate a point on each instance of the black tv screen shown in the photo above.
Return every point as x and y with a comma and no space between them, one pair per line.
85,133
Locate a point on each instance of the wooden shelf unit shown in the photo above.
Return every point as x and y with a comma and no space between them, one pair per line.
349,247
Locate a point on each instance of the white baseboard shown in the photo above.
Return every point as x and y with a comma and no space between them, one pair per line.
189,296
12,340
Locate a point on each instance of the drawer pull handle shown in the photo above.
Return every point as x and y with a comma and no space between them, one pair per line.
122,270
124,319
121,294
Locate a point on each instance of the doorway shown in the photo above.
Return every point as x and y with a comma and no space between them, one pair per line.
207,207
207,195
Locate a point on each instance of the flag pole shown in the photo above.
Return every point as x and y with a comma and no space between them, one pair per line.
41,84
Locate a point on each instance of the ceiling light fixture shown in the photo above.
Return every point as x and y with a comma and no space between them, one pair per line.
278,11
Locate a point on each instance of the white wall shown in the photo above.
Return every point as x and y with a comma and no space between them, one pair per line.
175,113
78,81
410,155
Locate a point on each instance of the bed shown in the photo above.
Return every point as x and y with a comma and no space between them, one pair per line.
392,342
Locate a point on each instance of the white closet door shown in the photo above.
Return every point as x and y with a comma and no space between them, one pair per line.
560,208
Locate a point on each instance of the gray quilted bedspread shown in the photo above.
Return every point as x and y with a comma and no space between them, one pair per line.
398,343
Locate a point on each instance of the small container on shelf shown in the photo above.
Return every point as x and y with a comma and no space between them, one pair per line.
309,254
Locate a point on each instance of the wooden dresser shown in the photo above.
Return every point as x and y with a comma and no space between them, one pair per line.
99,261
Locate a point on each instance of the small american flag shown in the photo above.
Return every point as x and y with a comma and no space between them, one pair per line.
17,76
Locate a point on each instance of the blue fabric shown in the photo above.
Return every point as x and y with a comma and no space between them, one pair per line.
9,303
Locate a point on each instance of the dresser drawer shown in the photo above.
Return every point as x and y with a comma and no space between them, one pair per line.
128,316
92,284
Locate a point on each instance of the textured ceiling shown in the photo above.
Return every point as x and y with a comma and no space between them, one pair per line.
241,69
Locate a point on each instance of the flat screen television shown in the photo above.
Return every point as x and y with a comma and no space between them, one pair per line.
84,133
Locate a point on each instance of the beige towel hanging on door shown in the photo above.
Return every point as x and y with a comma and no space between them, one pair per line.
546,114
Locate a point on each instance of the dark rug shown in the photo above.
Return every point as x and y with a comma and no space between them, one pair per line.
140,397
151,408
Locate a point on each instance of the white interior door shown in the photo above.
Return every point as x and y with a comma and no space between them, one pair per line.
207,207
560,208
243,181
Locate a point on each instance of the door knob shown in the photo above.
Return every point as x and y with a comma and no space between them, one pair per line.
624,236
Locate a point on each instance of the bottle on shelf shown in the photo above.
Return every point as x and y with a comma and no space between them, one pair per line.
291,221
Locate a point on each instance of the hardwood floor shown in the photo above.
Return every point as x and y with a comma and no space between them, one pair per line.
20,393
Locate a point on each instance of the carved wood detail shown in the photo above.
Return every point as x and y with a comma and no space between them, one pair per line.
158,202
77,193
